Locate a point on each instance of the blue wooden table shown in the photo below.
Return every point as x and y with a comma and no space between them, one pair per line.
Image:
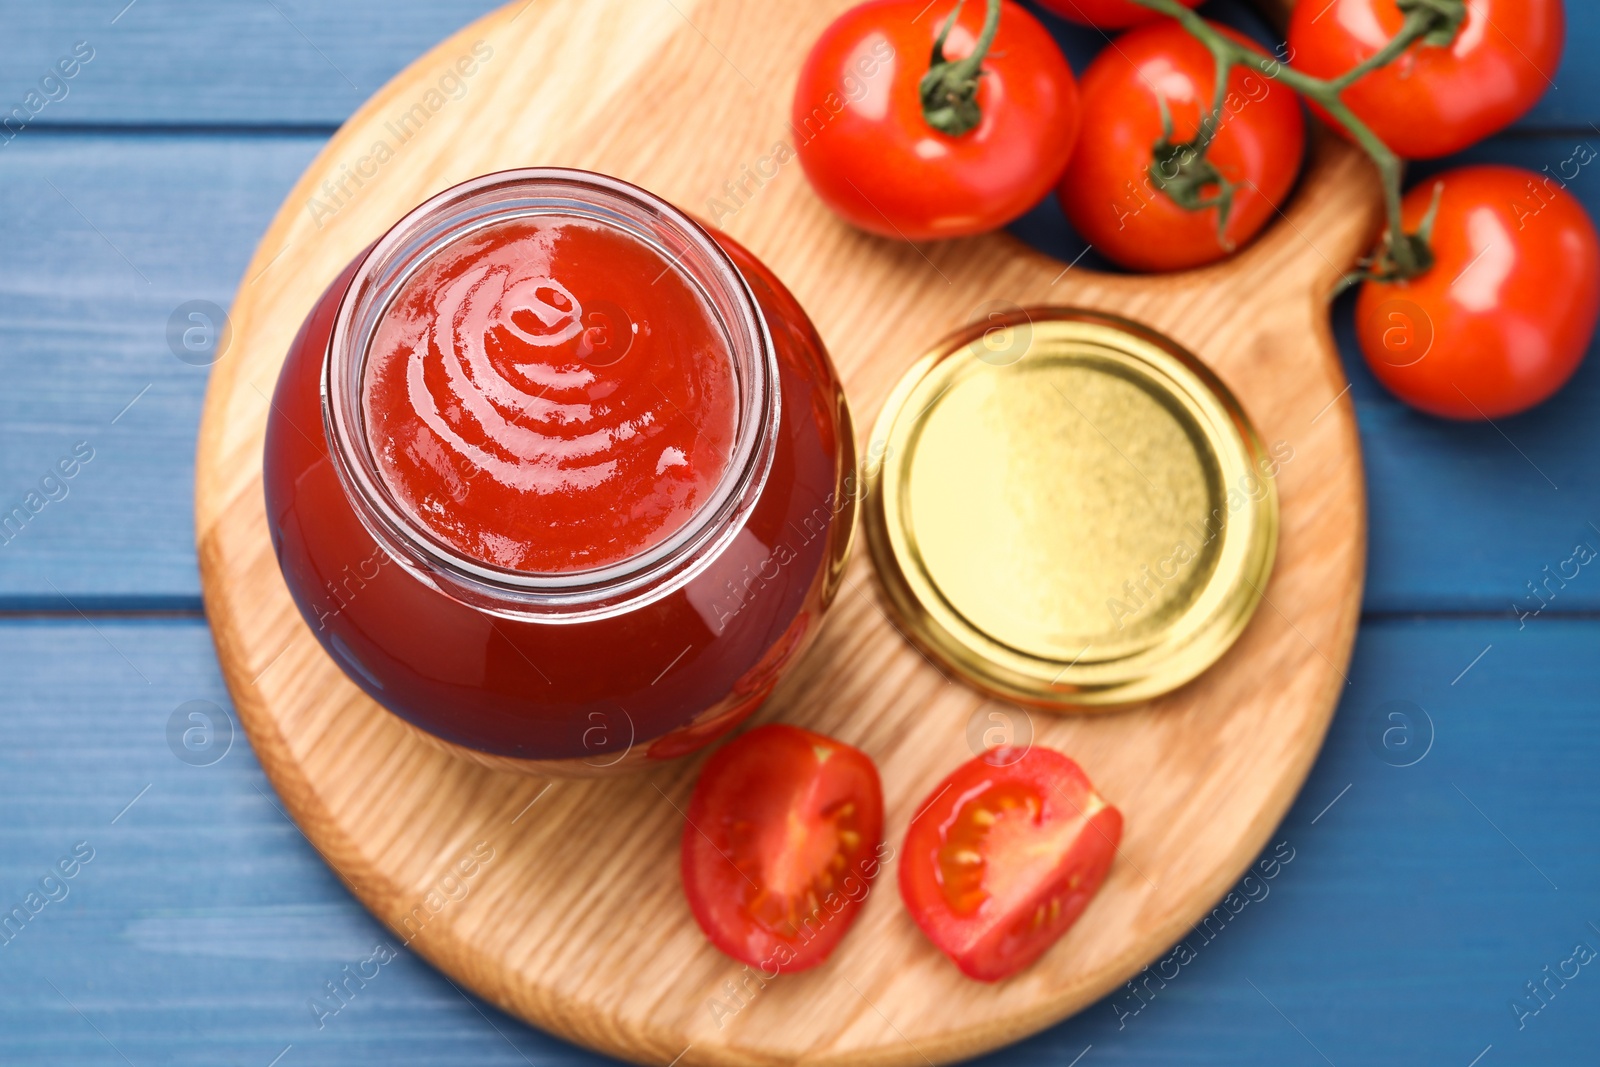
1444,875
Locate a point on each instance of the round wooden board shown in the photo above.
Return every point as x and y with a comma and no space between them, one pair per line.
577,922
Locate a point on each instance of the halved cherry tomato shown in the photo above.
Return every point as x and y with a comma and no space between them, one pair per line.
1106,14
1108,193
1004,856
781,846
872,157
1434,100
1508,309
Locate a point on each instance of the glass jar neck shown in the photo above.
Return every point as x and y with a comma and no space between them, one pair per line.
688,249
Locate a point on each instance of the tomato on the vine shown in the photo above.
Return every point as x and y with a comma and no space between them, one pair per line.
1106,14
1507,310
781,845
1003,857
1108,192
1434,100
870,152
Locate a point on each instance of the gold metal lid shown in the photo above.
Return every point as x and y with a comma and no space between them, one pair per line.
1068,509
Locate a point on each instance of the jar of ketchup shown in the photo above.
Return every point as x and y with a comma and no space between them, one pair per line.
559,477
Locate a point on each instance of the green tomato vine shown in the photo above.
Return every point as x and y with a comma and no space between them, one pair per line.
1180,169
1183,172
949,90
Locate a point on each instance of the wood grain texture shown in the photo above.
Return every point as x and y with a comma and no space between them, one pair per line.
1203,775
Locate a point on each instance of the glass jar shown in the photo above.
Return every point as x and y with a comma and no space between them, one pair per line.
580,671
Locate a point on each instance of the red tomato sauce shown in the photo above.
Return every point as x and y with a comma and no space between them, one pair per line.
550,395
654,681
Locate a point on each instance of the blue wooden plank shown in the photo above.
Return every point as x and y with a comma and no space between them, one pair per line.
1417,903
301,62
1421,898
204,923
105,239
197,61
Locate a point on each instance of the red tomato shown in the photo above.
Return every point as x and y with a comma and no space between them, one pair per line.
1107,192
781,846
1004,856
872,157
1507,311
1434,100
1105,14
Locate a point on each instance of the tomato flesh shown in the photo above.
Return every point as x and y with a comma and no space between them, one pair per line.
1506,313
781,846
1004,856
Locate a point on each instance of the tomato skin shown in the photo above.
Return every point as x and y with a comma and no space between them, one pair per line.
973,873
1505,315
1107,193
777,813
875,160
1434,101
1106,14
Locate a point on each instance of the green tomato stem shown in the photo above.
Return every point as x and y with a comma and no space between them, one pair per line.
949,91
1434,22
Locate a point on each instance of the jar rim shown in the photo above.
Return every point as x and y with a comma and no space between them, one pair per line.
501,196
